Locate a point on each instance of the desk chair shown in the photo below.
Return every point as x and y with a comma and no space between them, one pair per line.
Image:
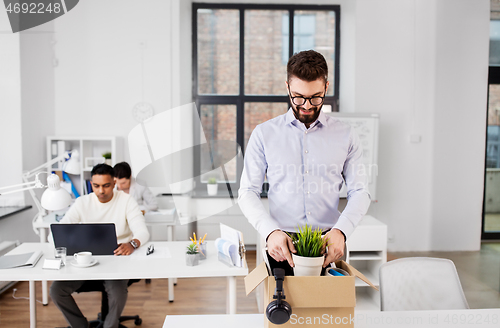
98,286
420,283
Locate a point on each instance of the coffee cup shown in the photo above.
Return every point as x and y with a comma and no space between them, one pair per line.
83,258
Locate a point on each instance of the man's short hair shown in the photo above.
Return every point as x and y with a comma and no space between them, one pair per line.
122,170
307,65
102,169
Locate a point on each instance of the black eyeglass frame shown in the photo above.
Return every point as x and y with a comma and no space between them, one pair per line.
306,98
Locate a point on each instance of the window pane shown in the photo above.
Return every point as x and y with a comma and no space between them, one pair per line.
219,124
492,198
316,30
256,113
218,51
265,70
495,42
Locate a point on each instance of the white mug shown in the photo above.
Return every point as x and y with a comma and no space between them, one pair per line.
83,258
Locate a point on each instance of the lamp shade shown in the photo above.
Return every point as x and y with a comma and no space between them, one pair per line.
72,166
55,198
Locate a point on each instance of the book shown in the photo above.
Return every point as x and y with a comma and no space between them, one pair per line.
20,260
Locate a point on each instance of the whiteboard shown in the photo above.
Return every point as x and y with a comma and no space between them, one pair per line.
366,126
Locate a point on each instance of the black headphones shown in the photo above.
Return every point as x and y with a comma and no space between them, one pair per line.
279,311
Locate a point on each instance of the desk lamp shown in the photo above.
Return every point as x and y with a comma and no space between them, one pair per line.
54,198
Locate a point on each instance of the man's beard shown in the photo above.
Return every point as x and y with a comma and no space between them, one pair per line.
307,119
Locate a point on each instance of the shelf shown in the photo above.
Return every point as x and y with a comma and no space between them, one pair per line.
361,256
367,300
88,147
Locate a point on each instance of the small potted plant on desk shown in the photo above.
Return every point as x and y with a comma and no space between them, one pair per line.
310,247
192,256
212,186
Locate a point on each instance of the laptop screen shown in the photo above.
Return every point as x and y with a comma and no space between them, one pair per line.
98,238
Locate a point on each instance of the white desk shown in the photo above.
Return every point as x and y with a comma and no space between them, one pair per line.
484,318
127,267
163,217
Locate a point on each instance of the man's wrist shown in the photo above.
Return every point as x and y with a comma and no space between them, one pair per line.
271,234
135,243
343,234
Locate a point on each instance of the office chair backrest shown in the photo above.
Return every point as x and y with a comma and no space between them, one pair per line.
420,283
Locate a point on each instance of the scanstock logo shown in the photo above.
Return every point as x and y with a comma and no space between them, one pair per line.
27,14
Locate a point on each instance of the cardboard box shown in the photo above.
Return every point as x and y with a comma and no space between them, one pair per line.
316,301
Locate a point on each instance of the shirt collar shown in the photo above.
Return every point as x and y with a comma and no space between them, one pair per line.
290,118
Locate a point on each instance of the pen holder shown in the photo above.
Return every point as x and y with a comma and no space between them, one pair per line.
202,251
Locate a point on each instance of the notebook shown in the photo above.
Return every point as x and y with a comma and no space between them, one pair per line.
20,260
98,238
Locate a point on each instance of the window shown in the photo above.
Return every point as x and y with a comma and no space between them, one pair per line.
240,52
491,199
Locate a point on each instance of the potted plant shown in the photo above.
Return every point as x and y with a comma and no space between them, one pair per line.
107,158
310,247
212,186
192,257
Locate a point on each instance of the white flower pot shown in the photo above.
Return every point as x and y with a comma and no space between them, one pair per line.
307,266
212,189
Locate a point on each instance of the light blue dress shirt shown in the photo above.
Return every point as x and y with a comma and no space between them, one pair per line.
305,169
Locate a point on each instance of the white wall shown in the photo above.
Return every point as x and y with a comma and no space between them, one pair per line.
99,78
460,124
26,115
423,66
10,112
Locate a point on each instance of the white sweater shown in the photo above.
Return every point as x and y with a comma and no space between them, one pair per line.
122,210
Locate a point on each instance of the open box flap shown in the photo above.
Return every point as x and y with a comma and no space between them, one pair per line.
353,272
254,278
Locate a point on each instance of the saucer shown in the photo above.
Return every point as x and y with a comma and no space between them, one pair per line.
93,262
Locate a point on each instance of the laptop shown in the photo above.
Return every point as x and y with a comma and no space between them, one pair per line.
98,238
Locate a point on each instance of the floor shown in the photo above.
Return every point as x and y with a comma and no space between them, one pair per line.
479,273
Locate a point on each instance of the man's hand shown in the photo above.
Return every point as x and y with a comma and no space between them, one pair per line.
126,248
279,246
335,243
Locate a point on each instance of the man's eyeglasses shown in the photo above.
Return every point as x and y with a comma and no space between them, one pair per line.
299,100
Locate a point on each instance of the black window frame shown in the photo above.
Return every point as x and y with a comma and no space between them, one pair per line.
240,99
493,78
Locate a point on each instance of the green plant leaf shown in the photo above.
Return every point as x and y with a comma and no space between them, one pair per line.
308,242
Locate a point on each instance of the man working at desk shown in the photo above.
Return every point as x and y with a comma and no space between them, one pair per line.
110,206
305,155
126,183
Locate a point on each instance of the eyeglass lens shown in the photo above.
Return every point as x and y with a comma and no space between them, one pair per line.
315,101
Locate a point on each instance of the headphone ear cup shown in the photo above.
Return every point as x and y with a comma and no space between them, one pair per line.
278,314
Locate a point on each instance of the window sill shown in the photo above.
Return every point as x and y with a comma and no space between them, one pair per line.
6,211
